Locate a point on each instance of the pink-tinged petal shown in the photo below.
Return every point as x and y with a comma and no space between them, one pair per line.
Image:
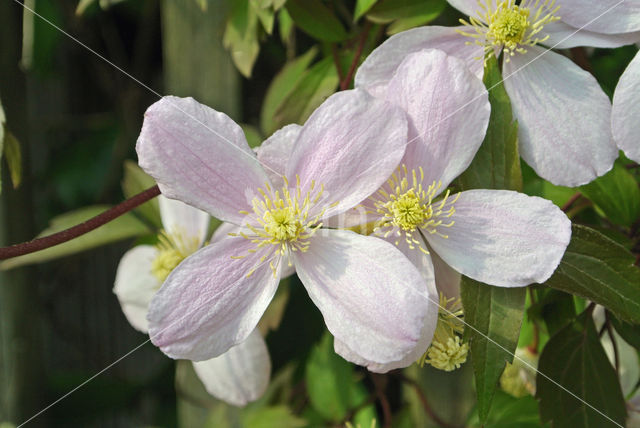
563,115
447,278
449,107
209,303
199,156
377,70
625,116
602,16
350,145
371,297
135,286
503,238
564,36
183,220
275,151
467,7
240,375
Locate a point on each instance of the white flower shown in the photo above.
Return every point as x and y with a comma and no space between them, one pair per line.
238,376
625,116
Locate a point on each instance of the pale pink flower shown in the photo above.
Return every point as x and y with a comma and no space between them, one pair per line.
370,295
625,116
563,114
499,237
238,376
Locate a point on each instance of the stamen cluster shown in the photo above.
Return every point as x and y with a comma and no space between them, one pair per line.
406,206
172,248
509,26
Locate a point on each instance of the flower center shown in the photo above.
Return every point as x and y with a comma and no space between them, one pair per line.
407,206
282,219
172,249
509,26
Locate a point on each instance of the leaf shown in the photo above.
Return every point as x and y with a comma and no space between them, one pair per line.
404,24
285,26
274,313
281,87
84,5
629,332
497,163
574,358
509,412
13,157
135,180
264,14
203,4
362,7
495,315
386,11
241,36
599,269
315,19
315,86
617,196
125,226
273,417
252,134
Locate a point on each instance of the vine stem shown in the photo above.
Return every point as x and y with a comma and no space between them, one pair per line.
111,214
344,83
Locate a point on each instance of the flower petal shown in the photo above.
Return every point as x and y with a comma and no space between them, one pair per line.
563,117
449,107
371,297
602,16
467,7
135,286
199,156
447,278
376,71
625,115
350,145
210,303
240,375
275,151
180,218
504,238
564,36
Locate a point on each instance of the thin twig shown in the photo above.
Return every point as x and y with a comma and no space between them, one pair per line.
384,402
533,346
336,61
344,84
571,201
425,404
79,229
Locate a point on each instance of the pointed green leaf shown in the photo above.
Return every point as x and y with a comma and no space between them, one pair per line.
264,14
629,332
317,84
125,226
241,36
84,5
13,157
494,315
281,87
497,163
616,194
588,394
135,180
273,417
599,269
386,11
317,20
362,7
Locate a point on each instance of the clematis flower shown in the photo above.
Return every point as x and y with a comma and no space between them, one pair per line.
625,117
499,237
242,373
563,114
370,295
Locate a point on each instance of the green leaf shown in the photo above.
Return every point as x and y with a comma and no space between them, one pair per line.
84,5
495,315
629,332
13,157
386,11
315,86
273,417
574,358
404,24
329,380
285,26
265,15
497,163
135,180
315,19
203,4
280,88
362,7
509,412
241,36
599,269
125,226
617,196
40,39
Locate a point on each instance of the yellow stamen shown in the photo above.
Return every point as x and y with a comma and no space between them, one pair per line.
173,248
509,26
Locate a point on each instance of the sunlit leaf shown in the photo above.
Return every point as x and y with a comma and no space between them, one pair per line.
280,88
510,412
135,180
585,391
273,417
362,7
317,20
241,36
265,15
13,158
386,11
125,226
599,269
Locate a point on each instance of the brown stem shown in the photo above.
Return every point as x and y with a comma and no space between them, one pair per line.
571,201
336,61
344,83
378,381
533,346
80,229
425,403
